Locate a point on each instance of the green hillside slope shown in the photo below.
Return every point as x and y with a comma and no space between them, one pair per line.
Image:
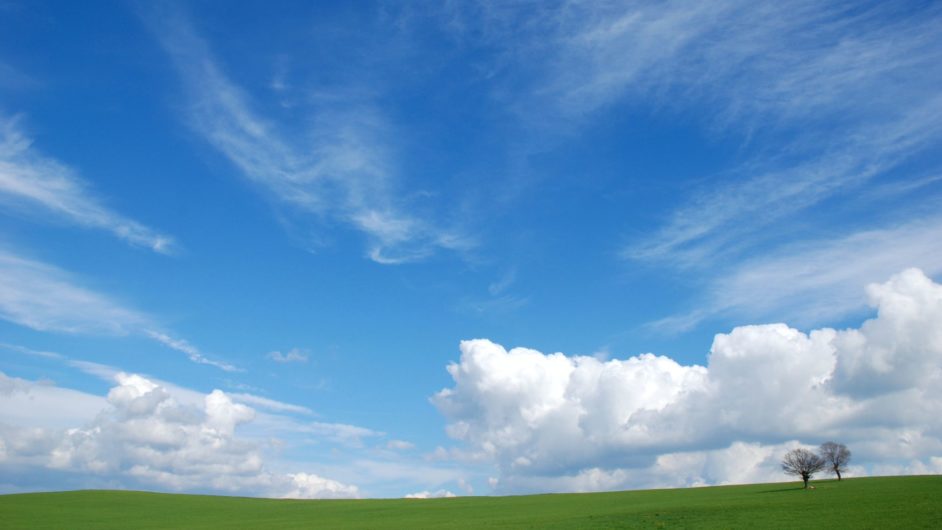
885,502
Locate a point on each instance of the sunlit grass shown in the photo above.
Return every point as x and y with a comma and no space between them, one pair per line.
884,502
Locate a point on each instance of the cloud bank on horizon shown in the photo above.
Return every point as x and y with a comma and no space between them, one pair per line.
559,423
139,435
546,422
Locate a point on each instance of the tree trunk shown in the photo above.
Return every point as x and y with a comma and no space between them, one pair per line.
838,471
805,478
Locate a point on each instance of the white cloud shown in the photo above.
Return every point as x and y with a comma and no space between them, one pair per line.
399,445
739,463
525,409
711,224
754,62
425,494
271,428
831,80
397,474
270,404
294,355
822,100
44,404
45,298
342,171
306,486
185,395
817,281
30,351
192,352
141,435
339,432
35,184
553,422
101,371
826,107
275,422
902,347
916,467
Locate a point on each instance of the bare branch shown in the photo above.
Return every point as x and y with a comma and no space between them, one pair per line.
803,463
836,456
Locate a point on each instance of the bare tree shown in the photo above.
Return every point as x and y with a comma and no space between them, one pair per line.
803,463
835,456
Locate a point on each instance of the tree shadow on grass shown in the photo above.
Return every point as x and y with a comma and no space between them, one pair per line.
798,488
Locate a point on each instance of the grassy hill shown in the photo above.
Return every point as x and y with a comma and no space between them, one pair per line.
884,502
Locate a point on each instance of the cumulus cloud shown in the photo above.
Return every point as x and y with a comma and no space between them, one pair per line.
557,422
902,347
430,494
306,486
740,463
142,436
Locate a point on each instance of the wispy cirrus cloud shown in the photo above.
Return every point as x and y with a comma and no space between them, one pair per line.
825,99
815,281
45,298
110,374
38,185
830,103
269,404
192,352
829,97
14,79
29,351
751,62
340,170
724,219
294,355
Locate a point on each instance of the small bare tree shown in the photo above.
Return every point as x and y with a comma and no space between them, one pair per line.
803,463
836,456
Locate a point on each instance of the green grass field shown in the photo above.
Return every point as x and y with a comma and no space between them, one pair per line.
885,502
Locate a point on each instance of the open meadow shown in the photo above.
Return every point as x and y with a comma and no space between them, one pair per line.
883,502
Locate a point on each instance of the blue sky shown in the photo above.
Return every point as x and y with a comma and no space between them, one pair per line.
277,224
